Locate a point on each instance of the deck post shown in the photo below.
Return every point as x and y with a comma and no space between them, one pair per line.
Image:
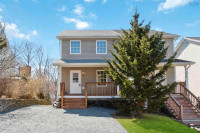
85,95
118,90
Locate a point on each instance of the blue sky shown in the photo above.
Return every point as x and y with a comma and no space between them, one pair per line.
39,21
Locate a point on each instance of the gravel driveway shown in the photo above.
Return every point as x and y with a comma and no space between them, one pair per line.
42,119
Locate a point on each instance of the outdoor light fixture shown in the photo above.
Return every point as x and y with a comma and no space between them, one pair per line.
83,73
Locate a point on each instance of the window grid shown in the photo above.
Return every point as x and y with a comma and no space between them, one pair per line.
101,47
101,76
75,47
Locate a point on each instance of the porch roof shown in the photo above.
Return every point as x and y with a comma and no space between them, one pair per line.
103,63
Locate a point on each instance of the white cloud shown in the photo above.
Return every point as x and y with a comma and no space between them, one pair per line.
62,9
104,1
158,29
171,4
79,24
16,0
36,1
12,31
194,23
1,9
92,15
34,32
78,10
89,0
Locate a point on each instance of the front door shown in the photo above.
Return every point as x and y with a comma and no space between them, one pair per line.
75,81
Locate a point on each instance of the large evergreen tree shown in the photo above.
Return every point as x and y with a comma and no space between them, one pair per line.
133,68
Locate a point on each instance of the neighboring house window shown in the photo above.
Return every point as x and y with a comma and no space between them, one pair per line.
101,47
75,47
101,76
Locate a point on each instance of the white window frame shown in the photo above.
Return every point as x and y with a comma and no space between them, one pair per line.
97,77
70,46
96,46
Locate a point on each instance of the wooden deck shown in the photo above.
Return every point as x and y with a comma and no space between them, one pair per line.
91,89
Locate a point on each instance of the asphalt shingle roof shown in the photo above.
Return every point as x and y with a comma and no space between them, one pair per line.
100,34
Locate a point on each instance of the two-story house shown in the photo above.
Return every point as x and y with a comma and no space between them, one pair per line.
81,65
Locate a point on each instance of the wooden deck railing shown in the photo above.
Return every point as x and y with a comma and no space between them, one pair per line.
176,107
101,89
181,89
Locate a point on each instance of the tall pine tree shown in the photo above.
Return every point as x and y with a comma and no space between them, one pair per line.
133,68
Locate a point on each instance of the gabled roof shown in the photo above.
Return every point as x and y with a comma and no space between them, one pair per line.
195,39
101,34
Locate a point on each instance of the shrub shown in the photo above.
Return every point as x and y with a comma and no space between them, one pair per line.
40,95
123,107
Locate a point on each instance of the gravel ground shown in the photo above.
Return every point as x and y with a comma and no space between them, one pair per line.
43,119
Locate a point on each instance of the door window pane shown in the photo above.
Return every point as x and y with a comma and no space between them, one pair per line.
75,77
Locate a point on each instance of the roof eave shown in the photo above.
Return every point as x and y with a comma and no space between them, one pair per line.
69,37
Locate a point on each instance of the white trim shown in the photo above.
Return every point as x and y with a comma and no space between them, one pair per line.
106,46
60,44
90,97
70,46
59,80
63,64
182,41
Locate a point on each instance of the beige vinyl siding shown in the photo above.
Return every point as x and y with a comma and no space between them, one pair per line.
89,76
88,49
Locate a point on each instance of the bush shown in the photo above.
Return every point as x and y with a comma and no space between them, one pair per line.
123,107
40,95
27,96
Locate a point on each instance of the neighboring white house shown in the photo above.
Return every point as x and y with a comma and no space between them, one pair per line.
189,49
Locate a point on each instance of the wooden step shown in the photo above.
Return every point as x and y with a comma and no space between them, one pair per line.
74,103
192,121
74,107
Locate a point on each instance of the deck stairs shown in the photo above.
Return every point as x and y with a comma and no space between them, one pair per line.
184,105
74,103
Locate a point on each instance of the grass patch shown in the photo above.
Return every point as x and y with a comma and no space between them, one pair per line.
152,123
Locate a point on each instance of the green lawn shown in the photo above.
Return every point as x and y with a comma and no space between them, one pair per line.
152,123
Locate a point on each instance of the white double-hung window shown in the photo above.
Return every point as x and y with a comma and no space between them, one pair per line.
101,47
101,76
75,47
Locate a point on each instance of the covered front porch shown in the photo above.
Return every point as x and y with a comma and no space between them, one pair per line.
81,80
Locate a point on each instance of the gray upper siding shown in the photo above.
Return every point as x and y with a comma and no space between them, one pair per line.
88,49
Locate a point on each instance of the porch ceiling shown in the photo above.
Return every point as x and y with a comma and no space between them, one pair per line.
102,62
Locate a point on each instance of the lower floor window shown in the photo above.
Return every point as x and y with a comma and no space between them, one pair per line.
101,76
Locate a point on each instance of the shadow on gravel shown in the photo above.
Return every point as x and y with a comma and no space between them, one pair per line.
91,111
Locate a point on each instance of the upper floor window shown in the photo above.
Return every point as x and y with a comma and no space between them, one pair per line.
75,47
101,47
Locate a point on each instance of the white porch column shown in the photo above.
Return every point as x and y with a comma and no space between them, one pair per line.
186,76
118,90
59,80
